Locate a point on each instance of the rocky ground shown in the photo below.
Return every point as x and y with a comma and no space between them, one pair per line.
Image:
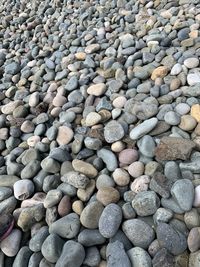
100,133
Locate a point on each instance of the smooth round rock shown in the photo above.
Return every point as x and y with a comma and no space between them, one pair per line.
113,131
146,203
139,257
187,123
65,135
134,229
172,118
110,220
23,189
136,169
193,239
121,177
11,244
191,63
90,215
127,156
116,255
72,255
143,128
107,195
183,192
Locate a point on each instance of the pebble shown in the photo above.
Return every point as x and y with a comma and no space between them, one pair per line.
136,169
107,195
96,89
11,244
139,257
176,69
171,239
72,255
65,135
134,228
92,257
92,118
144,128
159,72
195,112
91,214
52,247
196,202
146,146
23,189
193,78
127,156
172,148
110,220
22,257
50,165
89,238
85,168
191,63
172,118
116,255
38,238
146,203
121,177
187,123
140,184
193,239
75,179
113,131
52,198
66,227
108,158
183,192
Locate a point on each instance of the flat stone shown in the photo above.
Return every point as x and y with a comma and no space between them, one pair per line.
172,148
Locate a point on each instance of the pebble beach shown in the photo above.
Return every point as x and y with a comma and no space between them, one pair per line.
100,133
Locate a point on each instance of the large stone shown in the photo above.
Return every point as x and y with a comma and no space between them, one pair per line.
172,148
116,255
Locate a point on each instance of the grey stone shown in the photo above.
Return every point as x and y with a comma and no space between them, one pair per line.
170,203
52,198
35,259
60,154
108,158
92,257
139,257
110,220
120,236
163,258
12,68
52,248
5,192
134,229
66,227
183,192
50,165
160,184
116,255
8,180
113,131
22,257
171,239
172,171
162,215
76,179
37,240
143,128
146,203
73,255
89,238
146,146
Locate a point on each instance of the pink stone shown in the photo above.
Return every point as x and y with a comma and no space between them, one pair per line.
64,207
65,135
136,169
127,156
59,100
196,202
194,239
140,184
